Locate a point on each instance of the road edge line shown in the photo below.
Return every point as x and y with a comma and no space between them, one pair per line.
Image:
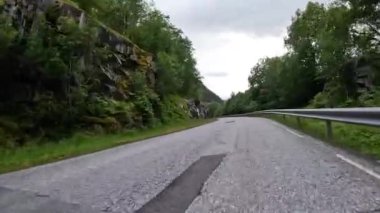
294,133
288,130
359,166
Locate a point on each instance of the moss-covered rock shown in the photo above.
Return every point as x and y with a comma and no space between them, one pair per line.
108,123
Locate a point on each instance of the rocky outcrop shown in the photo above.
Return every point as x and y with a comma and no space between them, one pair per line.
125,58
197,109
106,83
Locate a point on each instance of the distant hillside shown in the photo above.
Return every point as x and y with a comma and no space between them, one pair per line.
209,96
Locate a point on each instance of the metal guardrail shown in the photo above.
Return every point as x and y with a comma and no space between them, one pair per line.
369,116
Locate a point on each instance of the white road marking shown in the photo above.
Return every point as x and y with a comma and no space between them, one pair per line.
359,166
288,130
294,133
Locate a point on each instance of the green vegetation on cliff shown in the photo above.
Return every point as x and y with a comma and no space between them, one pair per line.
119,65
333,60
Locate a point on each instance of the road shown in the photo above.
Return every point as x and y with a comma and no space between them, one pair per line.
260,166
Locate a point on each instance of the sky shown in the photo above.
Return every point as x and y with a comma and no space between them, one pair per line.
230,36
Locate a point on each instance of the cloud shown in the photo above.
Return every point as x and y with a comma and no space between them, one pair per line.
259,17
216,74
230,36
233,54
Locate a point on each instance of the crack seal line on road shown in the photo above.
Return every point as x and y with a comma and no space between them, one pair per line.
359,166
180,193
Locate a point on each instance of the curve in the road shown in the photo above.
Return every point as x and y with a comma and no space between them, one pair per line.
267,168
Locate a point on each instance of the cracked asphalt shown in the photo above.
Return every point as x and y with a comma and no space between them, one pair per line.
266,169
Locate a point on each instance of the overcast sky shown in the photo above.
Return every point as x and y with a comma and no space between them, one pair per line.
230,36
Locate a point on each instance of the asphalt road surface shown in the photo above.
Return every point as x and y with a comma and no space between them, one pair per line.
232,165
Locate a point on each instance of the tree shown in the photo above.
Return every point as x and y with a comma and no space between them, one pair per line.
328,48
90,5
7,34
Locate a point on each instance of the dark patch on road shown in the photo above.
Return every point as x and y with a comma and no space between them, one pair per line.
12,201
229,122
182,191
371,211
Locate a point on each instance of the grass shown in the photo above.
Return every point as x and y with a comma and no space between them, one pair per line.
82,143
360,139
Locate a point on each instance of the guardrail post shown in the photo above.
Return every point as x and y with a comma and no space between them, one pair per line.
329,132
299,122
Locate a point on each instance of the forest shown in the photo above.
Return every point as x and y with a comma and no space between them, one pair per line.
332,60
93,65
